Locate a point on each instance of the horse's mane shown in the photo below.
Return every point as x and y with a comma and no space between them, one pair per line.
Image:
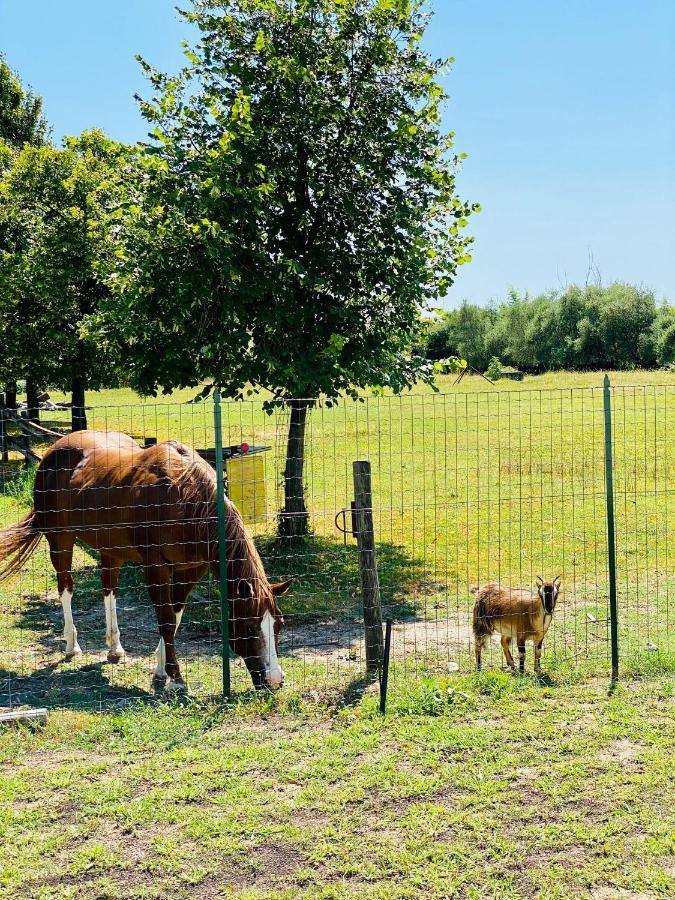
195,482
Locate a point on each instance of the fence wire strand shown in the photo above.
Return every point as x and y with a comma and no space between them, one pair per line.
468,488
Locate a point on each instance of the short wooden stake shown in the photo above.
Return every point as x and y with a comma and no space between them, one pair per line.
384,680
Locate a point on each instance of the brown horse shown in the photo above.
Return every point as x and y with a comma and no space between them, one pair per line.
156,507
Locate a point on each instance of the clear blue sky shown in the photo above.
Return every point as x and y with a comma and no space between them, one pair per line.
566,109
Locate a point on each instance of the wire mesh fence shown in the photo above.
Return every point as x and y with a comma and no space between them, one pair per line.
468,488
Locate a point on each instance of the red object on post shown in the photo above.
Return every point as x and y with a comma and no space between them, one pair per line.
244,448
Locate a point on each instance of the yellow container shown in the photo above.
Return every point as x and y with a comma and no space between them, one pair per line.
246,486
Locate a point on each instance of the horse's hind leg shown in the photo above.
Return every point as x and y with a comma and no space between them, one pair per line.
61,554
110,577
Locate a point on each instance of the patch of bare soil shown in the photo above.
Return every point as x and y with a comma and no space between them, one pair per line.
622,751
336,643
267,866
49,760
612,893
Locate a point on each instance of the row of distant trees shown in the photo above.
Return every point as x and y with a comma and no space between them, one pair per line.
285,228
593,327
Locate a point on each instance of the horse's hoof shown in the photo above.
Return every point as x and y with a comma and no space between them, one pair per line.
76,651
116,656
175,687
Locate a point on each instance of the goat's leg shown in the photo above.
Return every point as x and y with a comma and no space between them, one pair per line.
506,647
478,649
521,655
537,657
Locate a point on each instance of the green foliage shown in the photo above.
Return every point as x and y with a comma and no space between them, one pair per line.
452,365
51,239
21,119
494,370
616,327
462,332
20,488
296,210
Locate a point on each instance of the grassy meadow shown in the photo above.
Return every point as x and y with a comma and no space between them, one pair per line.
473,786
472,483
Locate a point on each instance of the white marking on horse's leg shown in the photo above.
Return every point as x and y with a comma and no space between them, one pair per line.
273,670
112,631
160,654
69,630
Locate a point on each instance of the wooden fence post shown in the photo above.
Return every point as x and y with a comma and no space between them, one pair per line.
370,585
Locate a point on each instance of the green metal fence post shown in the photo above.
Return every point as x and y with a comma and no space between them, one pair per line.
222,542
611,538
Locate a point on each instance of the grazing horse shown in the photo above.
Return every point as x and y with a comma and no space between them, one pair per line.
157,507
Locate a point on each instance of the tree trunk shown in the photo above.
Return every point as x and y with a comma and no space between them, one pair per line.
10,395
78,412
32,405
294,518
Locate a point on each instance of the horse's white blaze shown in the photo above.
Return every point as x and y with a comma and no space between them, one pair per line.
274,673
69,630
160,652
112,631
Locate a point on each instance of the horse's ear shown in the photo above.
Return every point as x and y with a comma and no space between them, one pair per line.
282,587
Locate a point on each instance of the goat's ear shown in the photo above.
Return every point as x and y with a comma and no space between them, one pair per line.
282,587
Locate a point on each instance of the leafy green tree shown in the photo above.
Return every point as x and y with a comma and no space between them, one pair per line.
295,213
21,122
51,211
664,335
21,118
626,317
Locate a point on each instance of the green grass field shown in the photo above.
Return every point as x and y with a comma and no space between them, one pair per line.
472,786
470,484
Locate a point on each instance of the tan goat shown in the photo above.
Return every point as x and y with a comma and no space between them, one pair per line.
514,613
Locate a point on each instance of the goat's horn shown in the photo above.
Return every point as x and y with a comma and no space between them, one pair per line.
539,578
557,578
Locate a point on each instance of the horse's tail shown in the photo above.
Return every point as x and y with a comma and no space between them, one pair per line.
17,545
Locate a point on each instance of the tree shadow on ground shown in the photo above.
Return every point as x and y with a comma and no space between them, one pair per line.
84,687
326,577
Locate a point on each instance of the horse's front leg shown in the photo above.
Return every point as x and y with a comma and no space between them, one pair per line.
183,583
110,577
159,581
